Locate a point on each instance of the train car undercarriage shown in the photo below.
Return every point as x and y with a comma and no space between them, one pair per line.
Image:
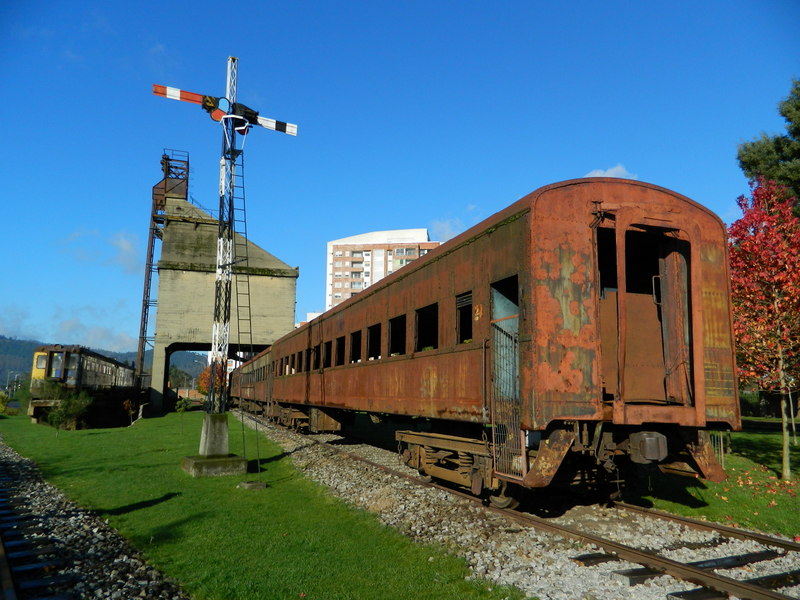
594,457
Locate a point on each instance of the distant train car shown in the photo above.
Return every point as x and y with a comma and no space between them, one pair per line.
582,330
75,369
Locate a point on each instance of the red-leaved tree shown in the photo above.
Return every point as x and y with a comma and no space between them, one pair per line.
765,284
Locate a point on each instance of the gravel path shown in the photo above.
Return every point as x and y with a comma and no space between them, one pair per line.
102,563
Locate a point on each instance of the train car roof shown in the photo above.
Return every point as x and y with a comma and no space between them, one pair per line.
77,349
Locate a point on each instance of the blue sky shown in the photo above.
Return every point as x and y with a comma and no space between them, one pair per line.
411,114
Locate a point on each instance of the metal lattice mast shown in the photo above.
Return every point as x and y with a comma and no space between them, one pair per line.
235,118
220,336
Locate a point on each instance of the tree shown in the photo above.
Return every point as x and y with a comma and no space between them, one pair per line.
765,285
777,157
204,380
69,406
179,378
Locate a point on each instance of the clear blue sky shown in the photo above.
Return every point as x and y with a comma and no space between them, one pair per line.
411,114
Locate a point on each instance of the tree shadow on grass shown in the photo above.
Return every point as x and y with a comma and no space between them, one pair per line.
168,533
129,508
664,486
764,449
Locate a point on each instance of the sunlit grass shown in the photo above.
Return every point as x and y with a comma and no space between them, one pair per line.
289,540
752,496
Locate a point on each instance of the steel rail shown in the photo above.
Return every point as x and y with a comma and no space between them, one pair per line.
727,530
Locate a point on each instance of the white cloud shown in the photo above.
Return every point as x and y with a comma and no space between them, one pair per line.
127,254
617,170
444,229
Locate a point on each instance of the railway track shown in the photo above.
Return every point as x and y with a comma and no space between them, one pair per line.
699,572
27,558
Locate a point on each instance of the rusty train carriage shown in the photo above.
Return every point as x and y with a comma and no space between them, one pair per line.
586,325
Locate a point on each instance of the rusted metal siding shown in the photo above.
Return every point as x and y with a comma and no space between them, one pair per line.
568,361
447,382
571,348
565,354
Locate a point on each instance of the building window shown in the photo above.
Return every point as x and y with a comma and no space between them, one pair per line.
355,274
399,251
357,264
464,318
338,253
355,347
411,251
357,253
422,251
374,342
427,334
357,285
338,263
337,284
397,336
338,357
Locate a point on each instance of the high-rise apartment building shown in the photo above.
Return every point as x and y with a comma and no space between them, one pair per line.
356,262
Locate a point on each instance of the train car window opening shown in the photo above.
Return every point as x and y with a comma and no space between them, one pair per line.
292,364
315,357
397,336
41,361
464,318
374,342
427,322
56,361
301,362
355,347
327,355
505,298
607,260
339,355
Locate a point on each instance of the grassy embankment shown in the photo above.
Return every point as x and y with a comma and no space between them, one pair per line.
291,540
753,496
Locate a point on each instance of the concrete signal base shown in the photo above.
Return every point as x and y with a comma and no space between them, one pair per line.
214,458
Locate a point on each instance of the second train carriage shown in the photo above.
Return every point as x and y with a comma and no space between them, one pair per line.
77,369
586,326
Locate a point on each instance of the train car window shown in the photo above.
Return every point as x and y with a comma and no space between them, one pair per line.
316,357
41,361
355,347
339,356
72,369
292,364
505,298
427,322
374,342
56,360
464,318
397,336
327,355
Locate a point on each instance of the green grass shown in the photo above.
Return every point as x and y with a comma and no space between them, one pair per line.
290,540
753,495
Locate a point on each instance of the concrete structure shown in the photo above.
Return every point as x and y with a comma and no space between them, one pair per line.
214,458
356,262
185,301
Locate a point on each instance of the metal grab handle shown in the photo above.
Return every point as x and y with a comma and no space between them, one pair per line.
655,296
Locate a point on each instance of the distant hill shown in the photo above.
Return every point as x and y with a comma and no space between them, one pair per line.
16,356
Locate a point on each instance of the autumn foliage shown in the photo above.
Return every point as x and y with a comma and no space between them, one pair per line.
765,281
204,380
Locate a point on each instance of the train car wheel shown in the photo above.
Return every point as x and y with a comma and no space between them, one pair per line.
504,500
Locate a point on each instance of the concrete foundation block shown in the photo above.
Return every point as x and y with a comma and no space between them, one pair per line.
214,466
